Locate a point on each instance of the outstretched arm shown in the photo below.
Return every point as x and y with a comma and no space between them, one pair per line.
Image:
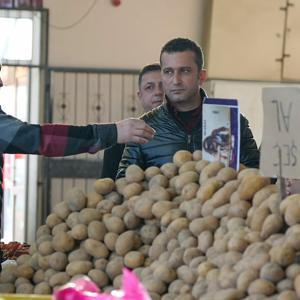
62,140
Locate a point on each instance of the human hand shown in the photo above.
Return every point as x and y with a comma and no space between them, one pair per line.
134,130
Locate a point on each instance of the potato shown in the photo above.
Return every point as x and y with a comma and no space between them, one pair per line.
131,221
185,178
250,185
95,248
264,194
244,172
197,155
114,197
160,180
189,191
184,273
78,254
120,210
79,232
292,213
42,288
73,219
42,230
261,286
99,277
62,210
60,227
93,199
21,260
160,208
282,254
78,267
134,259
96,230
226,174
143,208
181,157
223,195
45,248
201,224
210,170
176,226
258,218
110,240
228,294
88,215
165,273
190,253
114,224
134,174
237,244
75,199
58,261
272,272
272,224
43,262
63,242
8,274
7,288
171,215
292,271
227,277
53,220
114,267
148,233
25,288
287,295
24,271
208,188
104,186
151,171
187,166
154,285
132,189
245,278
59,279
158,193
125,242
100,263
105,206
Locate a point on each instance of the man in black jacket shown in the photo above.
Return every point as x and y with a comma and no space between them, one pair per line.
151,95
178,123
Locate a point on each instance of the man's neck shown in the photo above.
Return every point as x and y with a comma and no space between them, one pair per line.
188,105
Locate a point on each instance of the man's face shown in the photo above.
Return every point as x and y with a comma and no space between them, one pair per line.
181,76
151,92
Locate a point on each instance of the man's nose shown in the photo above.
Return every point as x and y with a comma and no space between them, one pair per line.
159,90
177,77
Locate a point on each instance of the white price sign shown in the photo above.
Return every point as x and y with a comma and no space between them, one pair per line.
281,133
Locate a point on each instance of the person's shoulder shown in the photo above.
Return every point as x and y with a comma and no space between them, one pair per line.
154,113
244,121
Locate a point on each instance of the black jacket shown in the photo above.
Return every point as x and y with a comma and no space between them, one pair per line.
170,137
111,159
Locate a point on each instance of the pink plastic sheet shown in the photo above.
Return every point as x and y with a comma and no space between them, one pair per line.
85,289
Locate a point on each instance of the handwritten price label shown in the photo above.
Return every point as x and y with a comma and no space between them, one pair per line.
281,132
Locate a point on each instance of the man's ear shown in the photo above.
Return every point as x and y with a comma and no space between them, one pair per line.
202,76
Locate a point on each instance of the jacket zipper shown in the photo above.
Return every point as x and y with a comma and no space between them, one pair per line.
189,142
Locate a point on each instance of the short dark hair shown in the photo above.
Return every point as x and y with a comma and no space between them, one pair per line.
181,45
147,69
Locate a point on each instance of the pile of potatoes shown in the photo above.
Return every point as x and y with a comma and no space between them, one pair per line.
190,230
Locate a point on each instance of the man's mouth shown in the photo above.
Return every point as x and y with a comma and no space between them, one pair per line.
177,91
